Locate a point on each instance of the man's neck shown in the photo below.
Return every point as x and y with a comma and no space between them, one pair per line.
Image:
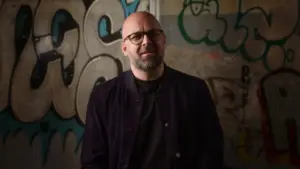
149,75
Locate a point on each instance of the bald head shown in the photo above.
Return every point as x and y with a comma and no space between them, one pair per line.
139,21
145,53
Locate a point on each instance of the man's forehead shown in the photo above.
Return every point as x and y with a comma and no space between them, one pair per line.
142,22
137,28
132,26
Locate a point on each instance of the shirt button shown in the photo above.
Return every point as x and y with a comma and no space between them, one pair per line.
166,124
178,155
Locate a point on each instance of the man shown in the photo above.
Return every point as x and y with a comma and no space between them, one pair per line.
152,116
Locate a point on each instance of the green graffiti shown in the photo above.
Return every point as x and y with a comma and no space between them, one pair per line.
250,33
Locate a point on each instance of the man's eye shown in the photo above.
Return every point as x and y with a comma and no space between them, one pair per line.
136,36
156,33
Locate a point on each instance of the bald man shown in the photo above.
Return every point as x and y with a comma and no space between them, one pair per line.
151,116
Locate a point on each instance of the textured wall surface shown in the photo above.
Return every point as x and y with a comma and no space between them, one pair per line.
52,53
248,53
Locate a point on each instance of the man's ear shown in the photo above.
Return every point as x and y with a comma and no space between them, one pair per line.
123,47
164,39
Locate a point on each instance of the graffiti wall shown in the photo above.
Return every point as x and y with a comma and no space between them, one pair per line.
247,52
52,54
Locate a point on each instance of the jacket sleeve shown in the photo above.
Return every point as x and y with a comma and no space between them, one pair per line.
94,153
210,134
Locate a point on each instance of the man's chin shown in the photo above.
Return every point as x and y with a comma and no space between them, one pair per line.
149,66
148,58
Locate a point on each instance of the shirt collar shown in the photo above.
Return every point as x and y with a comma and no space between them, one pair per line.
165,81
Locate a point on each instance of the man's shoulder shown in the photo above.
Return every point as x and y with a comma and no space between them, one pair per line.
186,78
195,86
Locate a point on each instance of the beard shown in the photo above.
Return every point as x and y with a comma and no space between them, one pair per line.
148,64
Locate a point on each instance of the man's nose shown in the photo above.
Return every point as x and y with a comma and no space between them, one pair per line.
146,40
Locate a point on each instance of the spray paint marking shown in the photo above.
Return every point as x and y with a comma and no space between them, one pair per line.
45,128
279,98
249,33
104,25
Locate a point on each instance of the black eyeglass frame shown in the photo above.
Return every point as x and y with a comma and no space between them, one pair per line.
144,33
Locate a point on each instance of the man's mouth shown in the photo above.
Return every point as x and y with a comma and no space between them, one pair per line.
148,53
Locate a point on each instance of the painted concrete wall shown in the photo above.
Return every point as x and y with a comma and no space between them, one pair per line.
238,47
52,53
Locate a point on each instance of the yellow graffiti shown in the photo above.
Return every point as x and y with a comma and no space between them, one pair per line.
242,151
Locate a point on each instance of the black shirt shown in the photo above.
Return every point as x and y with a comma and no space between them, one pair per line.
149,151
193,136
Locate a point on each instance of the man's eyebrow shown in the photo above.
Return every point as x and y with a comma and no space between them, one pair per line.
138,31
145,31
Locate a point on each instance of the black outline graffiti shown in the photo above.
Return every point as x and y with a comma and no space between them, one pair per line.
40,70
52,121
242,84
113,36
110,37
87,3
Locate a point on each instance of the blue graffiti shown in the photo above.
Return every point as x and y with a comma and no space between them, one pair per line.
50,124
129,8
61,23
104,24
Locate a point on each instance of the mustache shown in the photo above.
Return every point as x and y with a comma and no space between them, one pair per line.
147,50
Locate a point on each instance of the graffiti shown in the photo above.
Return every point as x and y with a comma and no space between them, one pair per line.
102,65
61,24
245,81
87,3
249,34
231,95
104,26
225,93
249,145
230,89
278,95
57,61
44,128
29,105
46,64
97,71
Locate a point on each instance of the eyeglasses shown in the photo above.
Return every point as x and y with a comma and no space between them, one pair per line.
138,37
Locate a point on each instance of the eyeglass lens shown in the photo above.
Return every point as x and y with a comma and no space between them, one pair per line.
138,37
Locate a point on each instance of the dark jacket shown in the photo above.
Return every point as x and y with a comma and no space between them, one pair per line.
192,129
